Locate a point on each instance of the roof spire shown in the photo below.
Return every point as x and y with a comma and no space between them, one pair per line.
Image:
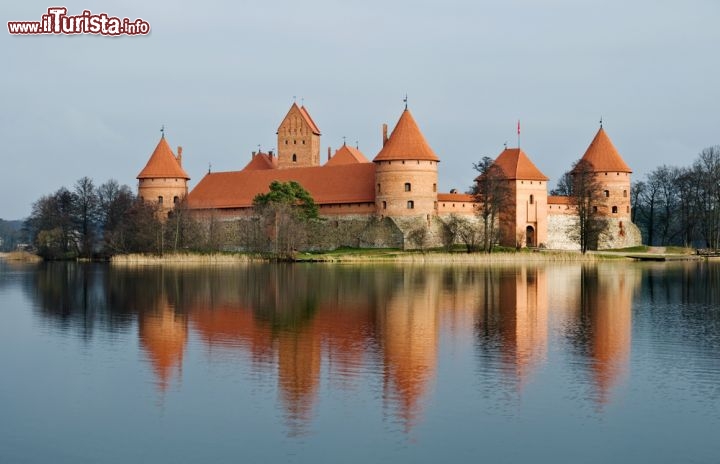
357,144
505,144
302,101
209,167
405,100
162,131
601,122
344,140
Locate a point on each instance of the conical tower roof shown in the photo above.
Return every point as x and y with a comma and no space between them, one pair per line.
515,164
163,163
603,156
406,142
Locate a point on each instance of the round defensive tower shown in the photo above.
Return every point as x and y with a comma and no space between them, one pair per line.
163,180
612,175
406,172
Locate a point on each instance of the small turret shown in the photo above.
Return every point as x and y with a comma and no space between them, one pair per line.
163,180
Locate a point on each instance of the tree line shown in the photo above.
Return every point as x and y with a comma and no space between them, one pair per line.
680,205
99,222
91,221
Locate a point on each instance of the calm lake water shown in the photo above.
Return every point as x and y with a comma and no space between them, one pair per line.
616,362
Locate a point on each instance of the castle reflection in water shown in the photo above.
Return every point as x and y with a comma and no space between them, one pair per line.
305,325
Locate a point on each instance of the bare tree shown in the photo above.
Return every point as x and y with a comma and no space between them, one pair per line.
85,215
493,195
585,196
419,237
564,185
450,228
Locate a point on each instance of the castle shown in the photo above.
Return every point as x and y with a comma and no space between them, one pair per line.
400,185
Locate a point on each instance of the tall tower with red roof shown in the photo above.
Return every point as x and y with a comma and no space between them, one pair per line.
298,139
406,172
163,179
524,220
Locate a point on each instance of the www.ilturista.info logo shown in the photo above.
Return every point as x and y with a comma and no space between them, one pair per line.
57,21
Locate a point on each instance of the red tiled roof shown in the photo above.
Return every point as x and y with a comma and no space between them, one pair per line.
348,183
406,142
558,200
309,120
261,161
603,156
163,163
347,155
304,115
515,164
458,197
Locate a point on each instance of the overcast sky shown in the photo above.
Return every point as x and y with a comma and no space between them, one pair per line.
220,75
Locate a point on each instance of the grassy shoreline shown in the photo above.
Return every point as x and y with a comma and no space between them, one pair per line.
369,256
364,256
20,257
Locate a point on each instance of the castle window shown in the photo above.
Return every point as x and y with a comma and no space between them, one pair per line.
625,193
418,161
160,200
594,209
607,193
379,188
408,187
403,162
532,199
303,142
628,209
384,204
410,204
614,209
176,200
435,205
294,142
286,142
434,187
294,158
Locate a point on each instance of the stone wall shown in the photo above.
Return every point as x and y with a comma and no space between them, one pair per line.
559,227
360,231
619,233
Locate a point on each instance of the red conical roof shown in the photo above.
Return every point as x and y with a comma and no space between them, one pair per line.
603,156
515,164
163,163
406,142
